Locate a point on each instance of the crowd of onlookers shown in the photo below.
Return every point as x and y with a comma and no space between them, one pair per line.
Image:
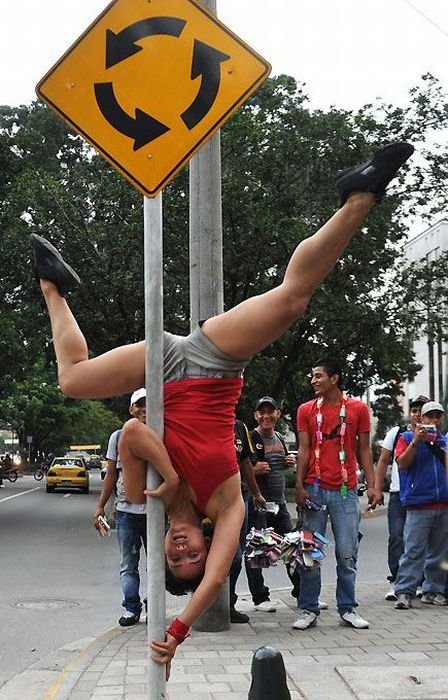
334,441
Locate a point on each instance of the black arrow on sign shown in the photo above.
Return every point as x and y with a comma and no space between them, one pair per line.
206,62
142,129
122,45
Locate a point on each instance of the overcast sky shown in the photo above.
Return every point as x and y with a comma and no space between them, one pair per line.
348,52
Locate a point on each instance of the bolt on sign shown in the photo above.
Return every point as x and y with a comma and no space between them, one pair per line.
149,82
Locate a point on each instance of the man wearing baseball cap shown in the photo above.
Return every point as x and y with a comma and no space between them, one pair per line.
420,457
396,513
131,519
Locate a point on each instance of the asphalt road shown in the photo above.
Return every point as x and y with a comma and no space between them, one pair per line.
59,581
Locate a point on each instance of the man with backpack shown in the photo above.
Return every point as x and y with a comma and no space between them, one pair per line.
272,461
396,513
131,519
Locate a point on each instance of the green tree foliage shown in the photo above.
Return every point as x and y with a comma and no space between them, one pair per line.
279,159
36,407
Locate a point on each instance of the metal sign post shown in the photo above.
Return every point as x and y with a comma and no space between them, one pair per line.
155,521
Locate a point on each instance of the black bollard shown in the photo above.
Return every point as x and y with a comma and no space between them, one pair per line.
268,675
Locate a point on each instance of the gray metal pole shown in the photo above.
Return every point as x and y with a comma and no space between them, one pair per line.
206,282
206,277
155,521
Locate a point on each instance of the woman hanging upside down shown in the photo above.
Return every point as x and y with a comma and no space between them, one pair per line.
202,385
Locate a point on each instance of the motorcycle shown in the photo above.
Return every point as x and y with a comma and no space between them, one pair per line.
41,471
10,474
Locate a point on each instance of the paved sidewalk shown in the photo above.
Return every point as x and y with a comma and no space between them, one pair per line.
403,656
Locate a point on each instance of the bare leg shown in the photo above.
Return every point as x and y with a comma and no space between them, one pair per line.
116,372
258,321
240,332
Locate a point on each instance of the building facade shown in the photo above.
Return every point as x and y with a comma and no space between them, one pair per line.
432,379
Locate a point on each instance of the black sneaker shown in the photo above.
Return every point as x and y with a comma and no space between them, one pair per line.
238,617
50,265
128,619
374,175
404,601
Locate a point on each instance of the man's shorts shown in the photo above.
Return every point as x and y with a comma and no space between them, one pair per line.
194,356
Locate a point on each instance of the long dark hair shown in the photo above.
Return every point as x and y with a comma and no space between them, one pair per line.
180,586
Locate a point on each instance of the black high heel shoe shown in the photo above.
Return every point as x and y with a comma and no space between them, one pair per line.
50,265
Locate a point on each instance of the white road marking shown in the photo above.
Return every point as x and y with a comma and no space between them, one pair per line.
67,495
16,495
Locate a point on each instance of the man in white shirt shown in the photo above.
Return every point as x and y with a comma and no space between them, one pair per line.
131,520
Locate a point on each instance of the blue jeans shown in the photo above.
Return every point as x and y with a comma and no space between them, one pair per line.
425,543
345,516
396,518
281,522
131,534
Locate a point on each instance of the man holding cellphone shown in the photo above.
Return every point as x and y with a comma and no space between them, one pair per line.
396,513
131,520
420,456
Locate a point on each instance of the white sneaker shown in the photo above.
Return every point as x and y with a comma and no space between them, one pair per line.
265,606
352,618
323,605
306,619
390,595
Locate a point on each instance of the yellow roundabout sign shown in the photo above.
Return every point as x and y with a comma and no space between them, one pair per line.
149,82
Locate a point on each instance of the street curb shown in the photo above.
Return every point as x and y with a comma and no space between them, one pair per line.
70,674
54,675
72,671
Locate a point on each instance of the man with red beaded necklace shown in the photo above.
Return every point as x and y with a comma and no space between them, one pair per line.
333,428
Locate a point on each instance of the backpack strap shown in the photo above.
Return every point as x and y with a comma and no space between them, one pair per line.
401,429
256,442
282,440
437,451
